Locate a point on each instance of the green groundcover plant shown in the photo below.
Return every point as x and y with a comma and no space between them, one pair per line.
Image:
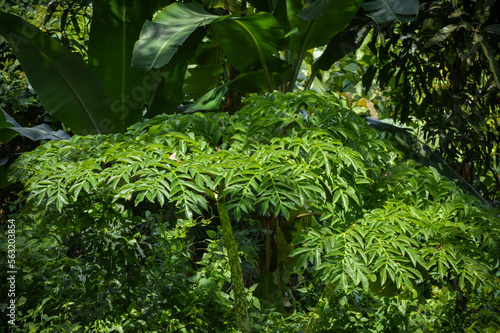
292,214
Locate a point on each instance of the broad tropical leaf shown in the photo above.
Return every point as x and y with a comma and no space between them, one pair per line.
116,25
203,71
391,10
254,82
160,39
490,54
67,88
314,26
6,121
249,40
318,23
9,128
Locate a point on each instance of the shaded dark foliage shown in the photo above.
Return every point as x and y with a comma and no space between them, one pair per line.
443,69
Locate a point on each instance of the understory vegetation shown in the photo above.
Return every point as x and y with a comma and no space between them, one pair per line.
128,234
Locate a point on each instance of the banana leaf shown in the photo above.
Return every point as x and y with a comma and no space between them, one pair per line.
204,71
210,101
382,11
9,129
160,39
249,40
67,88
319,22
170,93
115,27
338,47
254,82
314,25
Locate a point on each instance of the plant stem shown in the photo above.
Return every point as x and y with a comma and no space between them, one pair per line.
311,79
240,297
300,59
323,302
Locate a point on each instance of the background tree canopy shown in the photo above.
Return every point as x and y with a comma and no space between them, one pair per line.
183,183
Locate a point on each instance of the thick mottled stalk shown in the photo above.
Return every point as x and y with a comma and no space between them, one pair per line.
323,303
240,299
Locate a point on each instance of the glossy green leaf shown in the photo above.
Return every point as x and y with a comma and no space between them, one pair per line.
209,101
115,27
339,46
441,35
383,11
483,10
67,88
314,10
169,93
6,121
326,20
160,39
203,71
9,128
249,40
494,28
255,82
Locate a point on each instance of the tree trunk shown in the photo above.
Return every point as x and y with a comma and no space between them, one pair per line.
240,298
323,303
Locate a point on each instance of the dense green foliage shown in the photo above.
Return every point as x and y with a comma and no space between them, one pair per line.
185,46
443,69
289,215
315,198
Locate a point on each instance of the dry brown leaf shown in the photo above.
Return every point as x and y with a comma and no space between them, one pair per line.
174,157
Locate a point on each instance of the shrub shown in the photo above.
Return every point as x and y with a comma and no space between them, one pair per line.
333,226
